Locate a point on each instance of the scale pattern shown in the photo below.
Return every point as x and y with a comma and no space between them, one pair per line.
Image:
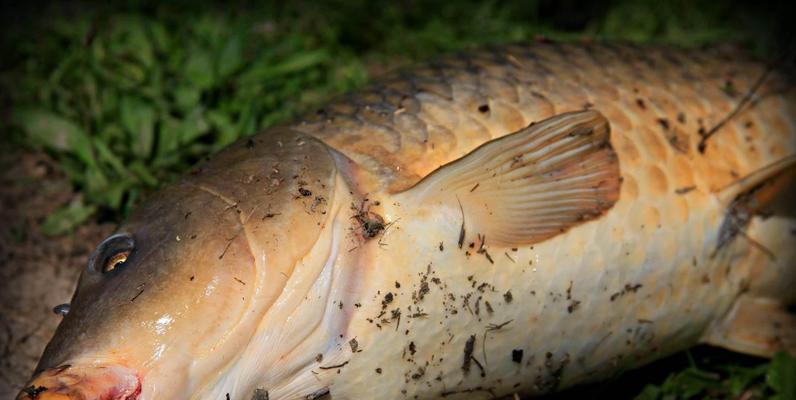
660,101
643,281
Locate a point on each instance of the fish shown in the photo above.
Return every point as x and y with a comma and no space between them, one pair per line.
517,219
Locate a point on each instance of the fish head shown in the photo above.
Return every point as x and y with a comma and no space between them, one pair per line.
175,298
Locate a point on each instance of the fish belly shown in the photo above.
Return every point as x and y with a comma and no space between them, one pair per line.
606,296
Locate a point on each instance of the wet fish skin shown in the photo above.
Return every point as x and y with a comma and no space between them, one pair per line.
643,281
658,100
640,281
208,257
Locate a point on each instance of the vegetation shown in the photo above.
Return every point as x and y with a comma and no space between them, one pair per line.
719,379
126,97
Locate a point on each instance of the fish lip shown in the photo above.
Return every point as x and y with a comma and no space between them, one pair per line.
89,382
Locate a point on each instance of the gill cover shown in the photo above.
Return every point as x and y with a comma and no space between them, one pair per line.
181,289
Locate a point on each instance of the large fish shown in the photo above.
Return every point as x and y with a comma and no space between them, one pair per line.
514,220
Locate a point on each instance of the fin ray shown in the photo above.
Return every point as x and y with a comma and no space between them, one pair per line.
530,185
756,326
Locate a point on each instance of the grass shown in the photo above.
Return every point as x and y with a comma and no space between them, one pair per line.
126,98
700,373
710,379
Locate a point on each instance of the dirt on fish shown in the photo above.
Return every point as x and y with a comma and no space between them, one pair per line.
36,272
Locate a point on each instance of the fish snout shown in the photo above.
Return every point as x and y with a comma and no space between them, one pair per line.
91,382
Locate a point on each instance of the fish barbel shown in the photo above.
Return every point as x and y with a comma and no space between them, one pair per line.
518,219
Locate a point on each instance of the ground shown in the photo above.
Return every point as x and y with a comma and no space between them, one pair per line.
36,272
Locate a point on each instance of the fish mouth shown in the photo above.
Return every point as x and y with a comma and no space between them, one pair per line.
89,382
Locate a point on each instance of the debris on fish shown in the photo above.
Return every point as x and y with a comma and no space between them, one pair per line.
519,219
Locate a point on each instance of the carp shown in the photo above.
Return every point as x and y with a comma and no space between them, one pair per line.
518,219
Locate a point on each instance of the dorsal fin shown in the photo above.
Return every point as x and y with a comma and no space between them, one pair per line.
532,184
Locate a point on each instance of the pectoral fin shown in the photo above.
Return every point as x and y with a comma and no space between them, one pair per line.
530,185
755,326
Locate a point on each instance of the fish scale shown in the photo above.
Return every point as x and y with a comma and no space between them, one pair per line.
657,100
519,219
644,277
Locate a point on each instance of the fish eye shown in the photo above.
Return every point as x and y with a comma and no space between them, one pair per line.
115,261
112,253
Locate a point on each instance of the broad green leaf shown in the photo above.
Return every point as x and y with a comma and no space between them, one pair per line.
109,101
64,65
98,50
90,90
231,57
114,193
106,155
227,131
95,184
138,118
143,173
168,137
75,170
263,70
120,74
247,122
129,40
782,376
199,69
161,37
740,378
650,392
67,218
210,28
55,133
193,126
186,97
113,134
132,74
132,197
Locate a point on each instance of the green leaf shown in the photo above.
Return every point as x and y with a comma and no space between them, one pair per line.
650,392
143,173
782,376
247,122
114,193
210,28
160,35
138,118
265,71
193,126
67,218
109,101
128,39
227,131
55,133
199,69
741,378
95,185
106,155
168,137
231,57
187,97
